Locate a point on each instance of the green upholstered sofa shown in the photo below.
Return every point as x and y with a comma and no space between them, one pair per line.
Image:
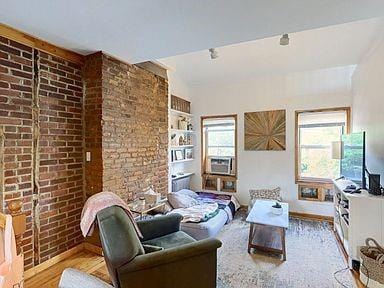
164,258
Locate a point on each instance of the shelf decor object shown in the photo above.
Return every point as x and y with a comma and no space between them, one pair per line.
315,192
180,104
265,130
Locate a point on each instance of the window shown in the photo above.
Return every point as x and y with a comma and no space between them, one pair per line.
220,139
218,157
315,132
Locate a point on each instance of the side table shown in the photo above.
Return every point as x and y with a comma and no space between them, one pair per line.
137,207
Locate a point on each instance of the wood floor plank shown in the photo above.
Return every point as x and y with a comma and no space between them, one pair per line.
85,261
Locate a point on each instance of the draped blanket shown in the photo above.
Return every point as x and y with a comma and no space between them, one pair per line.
228,203
197,213
98,202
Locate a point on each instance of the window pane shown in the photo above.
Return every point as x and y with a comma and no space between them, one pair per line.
317,163
221,151
221,138
320,135
213,151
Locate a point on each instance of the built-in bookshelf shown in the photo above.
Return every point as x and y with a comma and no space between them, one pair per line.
181,137
181,143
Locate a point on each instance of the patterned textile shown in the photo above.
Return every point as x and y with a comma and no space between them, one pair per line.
307,266
197,213
271,194
228,203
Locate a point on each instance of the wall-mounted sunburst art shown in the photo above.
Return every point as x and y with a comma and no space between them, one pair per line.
264,130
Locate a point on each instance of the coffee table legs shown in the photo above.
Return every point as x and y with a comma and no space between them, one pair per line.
250,238
262,237
282,231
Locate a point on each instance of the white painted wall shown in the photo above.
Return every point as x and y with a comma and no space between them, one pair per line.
259,169
368,103
181,89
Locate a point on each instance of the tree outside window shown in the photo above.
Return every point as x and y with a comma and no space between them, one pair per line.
316,130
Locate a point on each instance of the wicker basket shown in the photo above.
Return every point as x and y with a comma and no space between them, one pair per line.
372,260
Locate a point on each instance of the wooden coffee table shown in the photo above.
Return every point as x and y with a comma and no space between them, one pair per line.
267,230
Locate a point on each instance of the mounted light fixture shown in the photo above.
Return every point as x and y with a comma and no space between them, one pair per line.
284,40
214,53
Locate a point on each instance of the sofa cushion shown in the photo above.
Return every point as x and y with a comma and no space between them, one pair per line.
171,240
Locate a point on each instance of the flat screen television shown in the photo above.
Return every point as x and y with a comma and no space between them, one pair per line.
353,160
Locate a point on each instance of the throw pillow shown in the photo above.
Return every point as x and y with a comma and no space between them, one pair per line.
188,192
272,194
180,200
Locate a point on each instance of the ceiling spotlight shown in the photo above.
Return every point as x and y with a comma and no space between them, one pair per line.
214,53
284,40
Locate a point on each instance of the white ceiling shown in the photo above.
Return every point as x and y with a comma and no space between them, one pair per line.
333,46
142,30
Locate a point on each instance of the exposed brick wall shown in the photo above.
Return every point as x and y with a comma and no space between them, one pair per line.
49,111
16,130
42,136
134,128
92,76
60,155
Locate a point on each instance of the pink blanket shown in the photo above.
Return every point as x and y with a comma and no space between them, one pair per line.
98,202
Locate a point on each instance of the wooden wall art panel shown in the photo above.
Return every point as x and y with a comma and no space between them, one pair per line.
264,130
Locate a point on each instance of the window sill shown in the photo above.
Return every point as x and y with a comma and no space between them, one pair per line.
313,181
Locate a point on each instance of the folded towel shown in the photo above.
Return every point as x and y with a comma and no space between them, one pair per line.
98,202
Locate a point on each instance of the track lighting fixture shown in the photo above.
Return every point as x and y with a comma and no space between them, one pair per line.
284,40
214,53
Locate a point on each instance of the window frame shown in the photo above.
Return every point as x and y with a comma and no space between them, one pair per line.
203,144
313,180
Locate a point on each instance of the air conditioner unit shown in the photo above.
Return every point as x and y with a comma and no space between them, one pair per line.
219,165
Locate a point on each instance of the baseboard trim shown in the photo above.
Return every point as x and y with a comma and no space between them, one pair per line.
54,260
93,248
328,219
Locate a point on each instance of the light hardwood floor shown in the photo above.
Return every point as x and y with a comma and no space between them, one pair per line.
85,261
90,263
94,264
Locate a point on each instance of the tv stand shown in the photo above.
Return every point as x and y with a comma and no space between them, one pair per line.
357,216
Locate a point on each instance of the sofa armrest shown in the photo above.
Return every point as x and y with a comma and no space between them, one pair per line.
148,261
159,226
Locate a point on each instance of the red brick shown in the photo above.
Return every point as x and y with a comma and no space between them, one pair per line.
9,64
20,46
9,50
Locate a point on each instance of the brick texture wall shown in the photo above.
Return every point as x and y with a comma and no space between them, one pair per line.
60,155
134,127
41,142
16,76
92,75
42,138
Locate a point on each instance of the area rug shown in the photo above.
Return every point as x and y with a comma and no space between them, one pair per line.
312,258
